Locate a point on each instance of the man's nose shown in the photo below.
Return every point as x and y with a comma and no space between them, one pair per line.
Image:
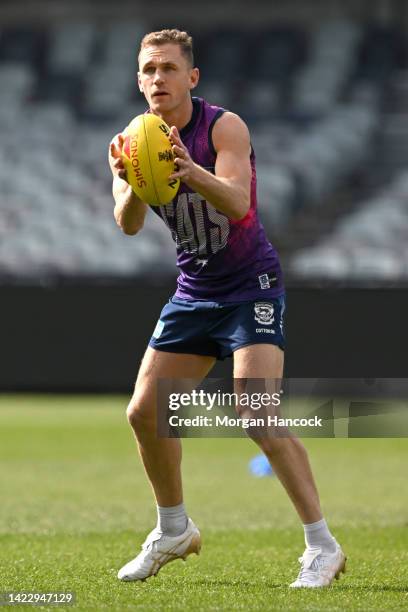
158,77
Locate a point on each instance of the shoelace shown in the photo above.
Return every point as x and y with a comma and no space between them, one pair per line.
149,552
151,539
308,570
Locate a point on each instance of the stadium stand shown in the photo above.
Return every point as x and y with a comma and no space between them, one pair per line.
318,105
371,243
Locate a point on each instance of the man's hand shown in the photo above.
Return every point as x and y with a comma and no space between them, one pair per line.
129,211
115,157
184,163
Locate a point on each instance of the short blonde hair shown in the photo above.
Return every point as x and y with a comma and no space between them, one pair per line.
175,37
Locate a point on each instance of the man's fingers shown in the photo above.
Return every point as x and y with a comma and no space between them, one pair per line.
182,169
175,136
119,168
176,175
180,163
179,151
116,145
115,157
114,151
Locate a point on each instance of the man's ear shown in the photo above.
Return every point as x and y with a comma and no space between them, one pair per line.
139,82
194,77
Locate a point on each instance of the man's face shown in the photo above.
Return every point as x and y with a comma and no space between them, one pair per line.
165,77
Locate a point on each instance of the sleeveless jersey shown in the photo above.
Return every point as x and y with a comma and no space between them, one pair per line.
219,259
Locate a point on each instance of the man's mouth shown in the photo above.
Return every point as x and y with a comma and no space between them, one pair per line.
160,94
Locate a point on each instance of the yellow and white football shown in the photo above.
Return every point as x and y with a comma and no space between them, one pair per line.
148,159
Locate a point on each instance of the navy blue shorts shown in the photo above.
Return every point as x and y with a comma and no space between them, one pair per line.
211,328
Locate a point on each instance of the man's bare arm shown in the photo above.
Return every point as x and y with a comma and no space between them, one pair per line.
229,189
129,211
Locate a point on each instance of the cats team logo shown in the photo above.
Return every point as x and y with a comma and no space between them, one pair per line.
264,313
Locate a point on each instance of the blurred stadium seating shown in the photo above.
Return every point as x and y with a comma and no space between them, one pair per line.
326,109
370,243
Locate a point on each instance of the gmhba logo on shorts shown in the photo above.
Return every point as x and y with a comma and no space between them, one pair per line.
264,313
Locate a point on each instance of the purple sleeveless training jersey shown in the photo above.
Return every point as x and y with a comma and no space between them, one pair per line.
219,259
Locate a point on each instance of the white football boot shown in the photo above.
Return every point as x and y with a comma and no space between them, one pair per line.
159,549
318,569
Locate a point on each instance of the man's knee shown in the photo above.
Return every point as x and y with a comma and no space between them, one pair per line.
140,413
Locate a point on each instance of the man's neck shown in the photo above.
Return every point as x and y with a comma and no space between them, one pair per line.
180,116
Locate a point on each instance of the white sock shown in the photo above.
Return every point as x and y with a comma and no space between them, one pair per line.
317,535
172,520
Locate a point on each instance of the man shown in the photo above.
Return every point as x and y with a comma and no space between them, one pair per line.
229,300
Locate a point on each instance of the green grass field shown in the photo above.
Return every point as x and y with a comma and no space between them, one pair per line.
75,506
